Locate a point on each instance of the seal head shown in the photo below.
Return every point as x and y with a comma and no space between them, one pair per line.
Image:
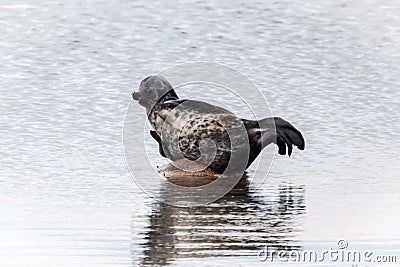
152,90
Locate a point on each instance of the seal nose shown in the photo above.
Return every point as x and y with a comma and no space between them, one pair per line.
135,95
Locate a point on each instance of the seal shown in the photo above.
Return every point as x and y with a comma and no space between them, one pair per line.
208,134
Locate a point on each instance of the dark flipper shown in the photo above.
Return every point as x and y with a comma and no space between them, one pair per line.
155,135
288,136
272,130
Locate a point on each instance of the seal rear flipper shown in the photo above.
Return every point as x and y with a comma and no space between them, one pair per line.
155,135
288,135
272,130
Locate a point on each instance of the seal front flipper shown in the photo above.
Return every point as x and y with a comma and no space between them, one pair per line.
155,135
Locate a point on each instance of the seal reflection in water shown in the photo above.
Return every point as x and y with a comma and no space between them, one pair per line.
240,223
202,135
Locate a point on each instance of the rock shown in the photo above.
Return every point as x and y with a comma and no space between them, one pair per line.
189,173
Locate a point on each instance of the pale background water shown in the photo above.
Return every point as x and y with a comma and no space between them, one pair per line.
67,70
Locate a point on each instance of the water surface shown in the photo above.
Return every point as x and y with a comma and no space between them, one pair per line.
67,72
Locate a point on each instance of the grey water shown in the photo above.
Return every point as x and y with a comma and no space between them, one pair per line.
68,68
